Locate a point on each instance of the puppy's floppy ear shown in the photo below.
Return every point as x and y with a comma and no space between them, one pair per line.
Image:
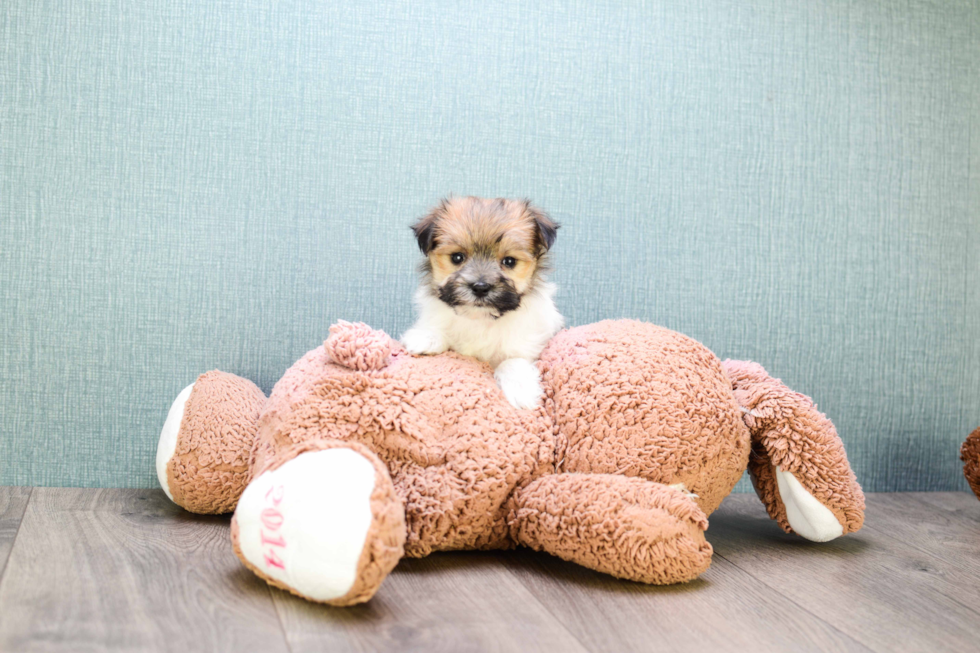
547,229
425,228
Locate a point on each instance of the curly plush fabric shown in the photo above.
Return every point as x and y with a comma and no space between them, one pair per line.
630,409
358,346
637,399
790,433
456,452
970,455
209,469
628,527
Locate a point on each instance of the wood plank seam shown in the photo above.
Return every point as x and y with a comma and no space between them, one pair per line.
843,634
850,642
557,619
282,626
930,555
13,543
115,545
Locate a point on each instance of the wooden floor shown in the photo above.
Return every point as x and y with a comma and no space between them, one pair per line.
91,570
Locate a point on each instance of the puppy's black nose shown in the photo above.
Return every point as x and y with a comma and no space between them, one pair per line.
480,288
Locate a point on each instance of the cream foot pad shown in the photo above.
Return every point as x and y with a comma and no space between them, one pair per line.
304,523
167,445
808,517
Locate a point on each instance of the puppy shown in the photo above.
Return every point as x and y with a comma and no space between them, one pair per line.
483,291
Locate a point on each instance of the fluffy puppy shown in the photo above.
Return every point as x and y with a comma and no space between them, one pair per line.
483,291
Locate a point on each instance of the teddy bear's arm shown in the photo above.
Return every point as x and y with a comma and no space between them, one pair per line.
627,527
798,464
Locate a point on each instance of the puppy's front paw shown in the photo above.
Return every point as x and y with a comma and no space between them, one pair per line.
520,382
422,341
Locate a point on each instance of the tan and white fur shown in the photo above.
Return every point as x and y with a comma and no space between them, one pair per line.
483,291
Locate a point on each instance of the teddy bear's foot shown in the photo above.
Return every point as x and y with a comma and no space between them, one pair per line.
167,446
206,440
798,465
322,522
624,526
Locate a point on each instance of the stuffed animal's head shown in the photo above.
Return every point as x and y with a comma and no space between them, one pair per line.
368,382
363,385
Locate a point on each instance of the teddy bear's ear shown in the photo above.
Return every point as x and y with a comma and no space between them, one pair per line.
358,346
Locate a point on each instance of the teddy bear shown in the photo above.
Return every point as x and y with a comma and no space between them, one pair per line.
364,454
970,455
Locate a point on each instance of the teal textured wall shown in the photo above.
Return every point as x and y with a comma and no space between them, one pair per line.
187,185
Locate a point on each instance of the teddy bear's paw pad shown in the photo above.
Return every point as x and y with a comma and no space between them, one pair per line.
304,524
167,446
806,515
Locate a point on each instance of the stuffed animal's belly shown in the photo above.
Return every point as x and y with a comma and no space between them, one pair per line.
462,501
640,400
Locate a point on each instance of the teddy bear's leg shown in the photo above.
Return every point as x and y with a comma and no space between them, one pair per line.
204,447
798,465
625,526
322,521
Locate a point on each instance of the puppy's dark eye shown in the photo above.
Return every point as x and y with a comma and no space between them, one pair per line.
457,258
509,262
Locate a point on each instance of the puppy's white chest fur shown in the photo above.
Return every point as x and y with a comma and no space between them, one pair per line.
509,343
521,333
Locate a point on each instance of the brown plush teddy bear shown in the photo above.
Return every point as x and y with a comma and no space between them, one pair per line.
970,455
364,454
